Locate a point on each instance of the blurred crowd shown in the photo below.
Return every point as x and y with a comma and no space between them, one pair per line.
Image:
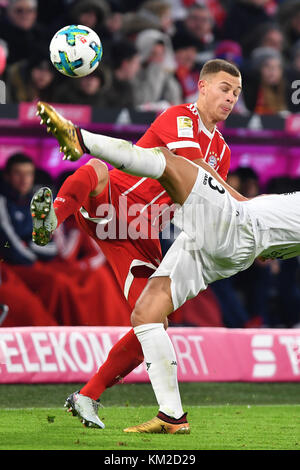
63,283
153,50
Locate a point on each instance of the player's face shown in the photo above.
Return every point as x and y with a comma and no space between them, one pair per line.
220,92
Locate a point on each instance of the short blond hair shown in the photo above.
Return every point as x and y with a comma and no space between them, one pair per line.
214,66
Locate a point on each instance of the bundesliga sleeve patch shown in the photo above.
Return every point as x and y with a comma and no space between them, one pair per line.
184,126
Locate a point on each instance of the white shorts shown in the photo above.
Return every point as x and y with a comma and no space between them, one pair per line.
222,236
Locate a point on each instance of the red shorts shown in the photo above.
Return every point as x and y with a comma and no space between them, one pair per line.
133,252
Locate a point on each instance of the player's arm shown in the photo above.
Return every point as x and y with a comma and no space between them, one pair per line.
235,194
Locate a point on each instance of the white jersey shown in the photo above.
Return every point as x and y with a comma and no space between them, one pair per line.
277,224
222,236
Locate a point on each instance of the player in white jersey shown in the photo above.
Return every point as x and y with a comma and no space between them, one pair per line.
222,236
223,233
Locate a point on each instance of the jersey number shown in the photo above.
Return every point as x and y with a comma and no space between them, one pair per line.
220,189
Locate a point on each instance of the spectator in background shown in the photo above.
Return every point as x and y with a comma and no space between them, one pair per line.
20,29
91,13
248,181
265,88
218,9
187,69
25,307
49,12
32,79
16,223
267,34
125,62
69,289
22,262
289,19
235,181
90,90
270,35
151,15
243,17
200,24
155,84
161,13
112,30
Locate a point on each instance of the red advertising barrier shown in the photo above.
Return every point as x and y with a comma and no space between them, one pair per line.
73,354
77,113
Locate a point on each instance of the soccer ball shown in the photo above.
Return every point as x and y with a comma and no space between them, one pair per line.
75,51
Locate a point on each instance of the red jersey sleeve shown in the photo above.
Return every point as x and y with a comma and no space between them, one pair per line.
176,128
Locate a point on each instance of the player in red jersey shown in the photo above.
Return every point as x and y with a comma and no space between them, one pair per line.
189,131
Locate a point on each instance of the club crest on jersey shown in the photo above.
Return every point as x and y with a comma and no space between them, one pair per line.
184,126
212,159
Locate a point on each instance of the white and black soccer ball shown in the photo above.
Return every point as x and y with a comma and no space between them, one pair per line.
75,50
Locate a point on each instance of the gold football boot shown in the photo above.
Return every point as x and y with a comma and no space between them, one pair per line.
159,426
67,134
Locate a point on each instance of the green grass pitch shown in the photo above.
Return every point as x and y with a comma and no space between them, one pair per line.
223,416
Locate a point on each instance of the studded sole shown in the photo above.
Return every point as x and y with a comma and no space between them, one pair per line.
40,208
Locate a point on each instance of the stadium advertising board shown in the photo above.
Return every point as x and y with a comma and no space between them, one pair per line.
73,354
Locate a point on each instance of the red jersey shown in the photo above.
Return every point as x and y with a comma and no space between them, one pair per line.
181,130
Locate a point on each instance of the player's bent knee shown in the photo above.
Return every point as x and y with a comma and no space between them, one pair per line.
138,318
154,304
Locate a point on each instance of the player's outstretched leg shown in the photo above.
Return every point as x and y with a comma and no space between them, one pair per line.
85,408
151,309
44,219
67,134
120,153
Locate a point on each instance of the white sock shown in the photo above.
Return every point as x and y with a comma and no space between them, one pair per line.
161,364
125,156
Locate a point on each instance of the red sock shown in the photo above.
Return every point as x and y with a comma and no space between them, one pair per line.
74,191
124,356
